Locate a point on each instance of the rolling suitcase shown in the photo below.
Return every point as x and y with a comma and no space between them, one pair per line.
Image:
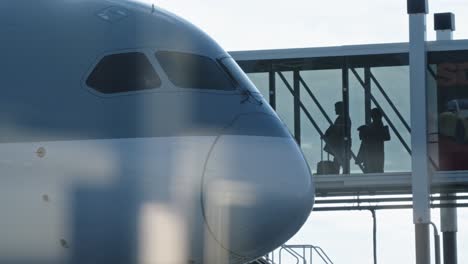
325,167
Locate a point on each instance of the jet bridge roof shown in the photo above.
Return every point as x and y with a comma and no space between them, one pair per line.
336,51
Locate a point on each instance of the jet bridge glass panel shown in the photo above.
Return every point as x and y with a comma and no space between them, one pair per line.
448,111
125,72
304,93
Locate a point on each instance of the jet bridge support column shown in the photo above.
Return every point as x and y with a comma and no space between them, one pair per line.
272,88
345,94
417,10
297,107
444,25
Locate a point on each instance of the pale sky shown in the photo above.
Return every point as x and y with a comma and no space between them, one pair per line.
267,24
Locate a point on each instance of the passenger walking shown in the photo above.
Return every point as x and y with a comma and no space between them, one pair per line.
335,137
371,153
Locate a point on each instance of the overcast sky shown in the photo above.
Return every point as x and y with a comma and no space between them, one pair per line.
267,24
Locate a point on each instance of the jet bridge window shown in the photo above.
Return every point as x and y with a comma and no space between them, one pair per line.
125,72
187,70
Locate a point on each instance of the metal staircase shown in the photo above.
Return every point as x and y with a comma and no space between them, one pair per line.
298,254
262,261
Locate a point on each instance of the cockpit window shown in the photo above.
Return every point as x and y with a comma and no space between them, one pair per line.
187,70
125,72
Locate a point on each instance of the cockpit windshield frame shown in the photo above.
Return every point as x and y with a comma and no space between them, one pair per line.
238,75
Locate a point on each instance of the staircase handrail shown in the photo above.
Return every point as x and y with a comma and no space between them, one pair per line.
291,252
320,252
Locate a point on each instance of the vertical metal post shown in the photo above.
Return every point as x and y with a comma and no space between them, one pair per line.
417,10
272,83
423,251
367,94
444,24
347,127
297,107
450,247
449,228
437,248
374,232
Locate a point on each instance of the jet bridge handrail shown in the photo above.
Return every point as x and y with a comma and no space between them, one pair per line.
432,73
309,116
389,101
317,103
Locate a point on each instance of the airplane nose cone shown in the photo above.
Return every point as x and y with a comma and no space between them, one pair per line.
257,187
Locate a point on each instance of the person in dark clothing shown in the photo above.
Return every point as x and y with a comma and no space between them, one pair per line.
371,154
335,137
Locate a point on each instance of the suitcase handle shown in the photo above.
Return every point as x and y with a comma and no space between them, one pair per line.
321,149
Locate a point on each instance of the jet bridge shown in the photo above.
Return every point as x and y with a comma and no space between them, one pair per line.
303,85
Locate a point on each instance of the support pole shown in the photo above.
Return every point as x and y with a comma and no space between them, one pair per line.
444,25
374,232
417,10
272,82
345,93
367,95
449,229
423,251
297,107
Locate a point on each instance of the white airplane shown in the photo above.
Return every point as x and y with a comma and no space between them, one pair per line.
127,135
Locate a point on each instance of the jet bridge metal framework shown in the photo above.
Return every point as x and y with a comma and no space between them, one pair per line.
348,58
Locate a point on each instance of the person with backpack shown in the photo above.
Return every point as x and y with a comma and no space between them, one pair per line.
371,153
